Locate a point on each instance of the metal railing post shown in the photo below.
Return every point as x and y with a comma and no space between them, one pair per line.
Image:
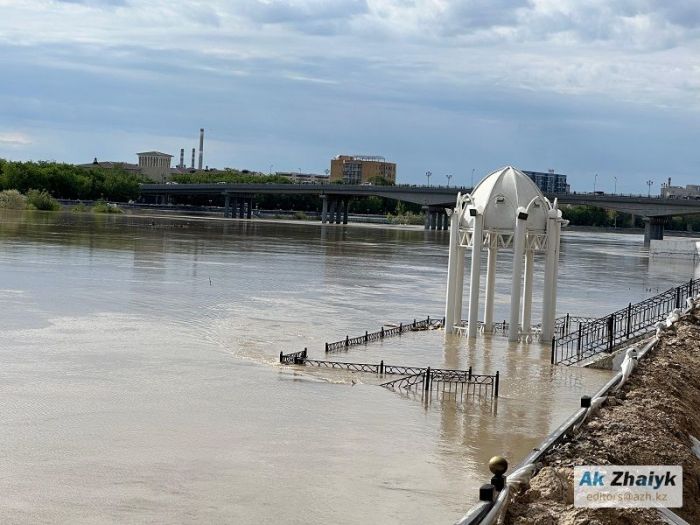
629,319
554,344
497,382
427,379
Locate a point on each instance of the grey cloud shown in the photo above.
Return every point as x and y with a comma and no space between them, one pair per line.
97,3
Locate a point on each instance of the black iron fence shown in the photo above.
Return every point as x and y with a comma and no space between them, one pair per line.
624,326
436,378
368,337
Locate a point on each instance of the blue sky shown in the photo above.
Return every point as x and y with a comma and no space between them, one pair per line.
582,87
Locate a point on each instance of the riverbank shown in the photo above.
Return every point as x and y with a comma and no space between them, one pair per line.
652,420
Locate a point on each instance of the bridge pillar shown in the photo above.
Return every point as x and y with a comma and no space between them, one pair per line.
426,212
439,216
433,220
653,229
227,205
445,221
250,207
331,213
241,209
324,209
346,205
339,212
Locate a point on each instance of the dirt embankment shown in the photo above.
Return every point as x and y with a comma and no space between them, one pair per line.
648,422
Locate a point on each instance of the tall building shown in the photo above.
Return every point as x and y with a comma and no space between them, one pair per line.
155,165
549,182
359,169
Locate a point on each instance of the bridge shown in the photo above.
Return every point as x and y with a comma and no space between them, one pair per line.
434,199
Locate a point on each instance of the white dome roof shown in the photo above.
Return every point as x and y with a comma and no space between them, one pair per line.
499,196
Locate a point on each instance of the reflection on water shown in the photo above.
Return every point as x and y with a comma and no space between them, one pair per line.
139,377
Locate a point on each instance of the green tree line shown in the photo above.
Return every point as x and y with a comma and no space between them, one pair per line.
67,181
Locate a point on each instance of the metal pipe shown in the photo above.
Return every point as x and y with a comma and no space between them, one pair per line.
201,147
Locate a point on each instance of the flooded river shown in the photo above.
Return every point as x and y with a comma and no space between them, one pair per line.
139,379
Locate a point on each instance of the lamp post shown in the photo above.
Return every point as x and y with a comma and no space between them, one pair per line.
615,190
271,166
473,178
428,174
449,177
649,183
595,181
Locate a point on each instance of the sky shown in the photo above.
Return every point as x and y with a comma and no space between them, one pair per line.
605,91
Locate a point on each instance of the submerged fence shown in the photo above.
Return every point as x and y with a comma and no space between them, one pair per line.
625,325
368,337
462,381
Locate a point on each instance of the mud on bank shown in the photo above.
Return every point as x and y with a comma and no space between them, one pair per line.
650,421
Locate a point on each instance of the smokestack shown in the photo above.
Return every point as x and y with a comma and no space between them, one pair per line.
192,158
182,158
201,147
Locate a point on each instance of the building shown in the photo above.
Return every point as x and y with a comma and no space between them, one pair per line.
361,169
155,165
549,182
110,165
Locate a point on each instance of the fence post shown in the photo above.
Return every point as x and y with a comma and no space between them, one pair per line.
382,333
629,319
611,332
326,347
400,327
427,379
678,297
414,324
428,321
366,337
554,343
470,374
305,353
381,367
580,335
347,340
281,357
497,382
504,326
567,323
690,288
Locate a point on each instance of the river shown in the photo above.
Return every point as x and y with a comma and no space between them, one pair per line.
139,375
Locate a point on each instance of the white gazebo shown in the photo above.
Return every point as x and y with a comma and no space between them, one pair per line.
505,210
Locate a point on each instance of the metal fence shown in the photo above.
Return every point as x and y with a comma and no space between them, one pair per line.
436,378
624,326
368,337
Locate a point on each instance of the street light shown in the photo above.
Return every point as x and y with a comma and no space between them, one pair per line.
449,177
649,183
428,174
473,177
595,181
271,166
615,190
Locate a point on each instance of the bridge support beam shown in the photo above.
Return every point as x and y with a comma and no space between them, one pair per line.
339,211
346,205
653,229
227,205
324,209
249,200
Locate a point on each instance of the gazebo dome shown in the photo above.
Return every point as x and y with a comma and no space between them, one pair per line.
501,194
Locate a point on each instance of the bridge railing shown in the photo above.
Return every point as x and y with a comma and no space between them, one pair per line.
627,324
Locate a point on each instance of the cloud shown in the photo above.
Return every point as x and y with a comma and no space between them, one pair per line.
14,139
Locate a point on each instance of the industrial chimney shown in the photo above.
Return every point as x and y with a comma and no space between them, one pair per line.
201,147
182,158
192,158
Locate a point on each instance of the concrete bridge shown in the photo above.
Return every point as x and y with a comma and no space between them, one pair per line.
335,197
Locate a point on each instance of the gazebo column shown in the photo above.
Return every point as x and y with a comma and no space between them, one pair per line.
452,263
490,282
549,298
475,277
526,319
459,283
518,249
